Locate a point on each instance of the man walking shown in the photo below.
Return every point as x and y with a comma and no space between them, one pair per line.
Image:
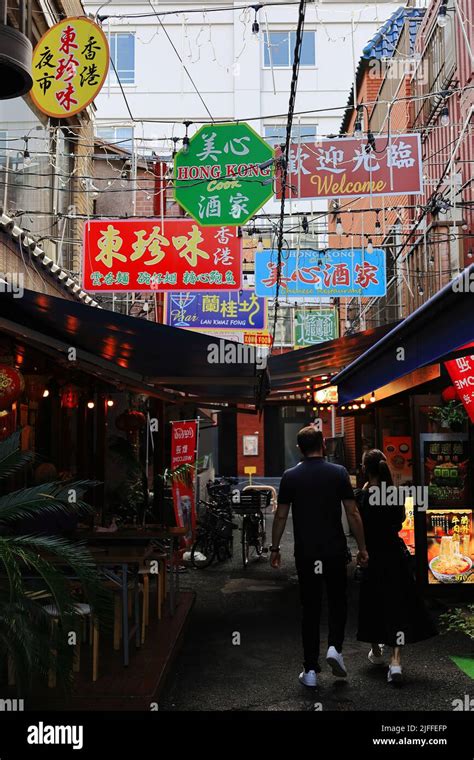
315,489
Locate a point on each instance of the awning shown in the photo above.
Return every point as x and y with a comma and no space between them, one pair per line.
437,330
144,355
289,372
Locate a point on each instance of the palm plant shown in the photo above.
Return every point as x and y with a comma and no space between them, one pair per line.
26,638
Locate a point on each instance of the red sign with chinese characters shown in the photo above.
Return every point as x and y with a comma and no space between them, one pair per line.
347,167
150,254
461,372
183,452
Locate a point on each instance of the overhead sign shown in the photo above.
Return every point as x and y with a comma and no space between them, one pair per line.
344,168
315,326
150,254
236,310
70,64
339,273
262,338
461,372
218,180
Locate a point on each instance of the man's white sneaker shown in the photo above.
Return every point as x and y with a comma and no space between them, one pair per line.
376,659
394,674
335,661
308,678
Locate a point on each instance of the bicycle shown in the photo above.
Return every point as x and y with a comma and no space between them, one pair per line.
250,508
214,538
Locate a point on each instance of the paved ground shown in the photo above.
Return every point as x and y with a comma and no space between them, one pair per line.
261,605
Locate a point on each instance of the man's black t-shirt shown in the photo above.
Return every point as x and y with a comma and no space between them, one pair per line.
315,488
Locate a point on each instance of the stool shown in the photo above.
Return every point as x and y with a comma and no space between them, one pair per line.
83,611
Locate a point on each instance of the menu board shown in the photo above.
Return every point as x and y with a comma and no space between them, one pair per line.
446,467
450,546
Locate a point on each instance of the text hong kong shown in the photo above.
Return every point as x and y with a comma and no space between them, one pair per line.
347,167
148,254
307,273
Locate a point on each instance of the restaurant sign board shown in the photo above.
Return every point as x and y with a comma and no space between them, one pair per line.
338,273
461,372
163,255
235,310
70,64
184,444
218,180
314,325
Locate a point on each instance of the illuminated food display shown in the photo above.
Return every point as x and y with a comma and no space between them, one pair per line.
450,546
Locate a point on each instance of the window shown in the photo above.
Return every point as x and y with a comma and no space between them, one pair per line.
122,137
275,134
279,48
122,53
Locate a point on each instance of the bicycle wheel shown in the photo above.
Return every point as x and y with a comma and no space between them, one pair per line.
260,535
246,529
203,551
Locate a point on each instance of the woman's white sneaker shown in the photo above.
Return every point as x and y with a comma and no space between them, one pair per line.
308,678
335,661
394,674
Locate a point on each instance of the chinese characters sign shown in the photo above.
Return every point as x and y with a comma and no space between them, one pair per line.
219,179
184,443
343,168
70,63
315,326
334,272
150,254
461,372
237,310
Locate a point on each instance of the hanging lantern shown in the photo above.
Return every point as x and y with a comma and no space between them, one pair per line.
35,386
450,393
130,421
16,54
69,396
11,386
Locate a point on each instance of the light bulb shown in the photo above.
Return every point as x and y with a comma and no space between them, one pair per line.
355,406
444,113
339,227
370,246
45,393
110,402
358,133
260,245
185,147
255,27
363,405
90,405
442,17
372,397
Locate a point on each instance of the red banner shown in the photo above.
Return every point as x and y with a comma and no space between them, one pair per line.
347,167
461,372
151,254
184,451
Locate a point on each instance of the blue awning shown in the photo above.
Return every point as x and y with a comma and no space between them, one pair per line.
438,328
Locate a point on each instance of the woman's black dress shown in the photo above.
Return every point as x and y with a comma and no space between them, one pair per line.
390,609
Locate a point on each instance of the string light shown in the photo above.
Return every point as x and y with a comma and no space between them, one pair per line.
256,25
339,227
185,147
444,114
372,397
442,19
370,246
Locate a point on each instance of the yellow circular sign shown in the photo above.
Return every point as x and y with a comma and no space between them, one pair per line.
70,63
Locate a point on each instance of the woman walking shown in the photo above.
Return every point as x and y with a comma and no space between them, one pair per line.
391,612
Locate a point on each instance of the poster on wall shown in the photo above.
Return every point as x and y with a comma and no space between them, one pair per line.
446,470
450,544
184,444
398,452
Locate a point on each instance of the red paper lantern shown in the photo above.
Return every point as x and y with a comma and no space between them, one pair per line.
69,396
450,393
130,421
35,386
11,386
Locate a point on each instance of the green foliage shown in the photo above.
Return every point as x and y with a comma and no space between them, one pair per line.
26,635
452,413
459,619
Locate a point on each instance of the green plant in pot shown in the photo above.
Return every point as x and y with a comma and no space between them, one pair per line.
451,416
33,573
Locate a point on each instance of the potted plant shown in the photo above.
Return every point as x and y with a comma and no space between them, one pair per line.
25,627
450,416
